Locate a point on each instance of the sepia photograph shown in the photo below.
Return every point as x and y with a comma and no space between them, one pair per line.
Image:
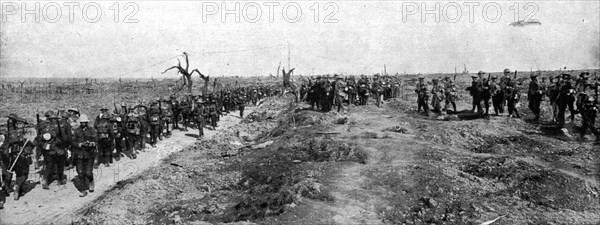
301,112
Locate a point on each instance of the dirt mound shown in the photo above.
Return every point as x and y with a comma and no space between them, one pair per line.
535,184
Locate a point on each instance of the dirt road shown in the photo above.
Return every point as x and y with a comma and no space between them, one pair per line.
60,204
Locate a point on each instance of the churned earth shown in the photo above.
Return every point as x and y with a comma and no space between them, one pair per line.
287,164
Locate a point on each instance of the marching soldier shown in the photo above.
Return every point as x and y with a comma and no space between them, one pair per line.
213,114
450,91
133,135
176,111
73,121
241,102
588,113
581,87
475,91
339,94
199,113
512,98
437,95
553,94
84,145
377,90
363,90
166,111
565,99
422,96
185,111
484,86
504,80
155,122
118,130
16,156
497,96
53,140
534,95
103,128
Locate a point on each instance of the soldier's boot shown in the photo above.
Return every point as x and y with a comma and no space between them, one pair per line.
82,193
16,192
91,186
1,205
45,184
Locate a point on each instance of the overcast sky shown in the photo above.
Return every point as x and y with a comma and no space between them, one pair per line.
367,35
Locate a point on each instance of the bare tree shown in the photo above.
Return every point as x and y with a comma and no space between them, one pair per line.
186,74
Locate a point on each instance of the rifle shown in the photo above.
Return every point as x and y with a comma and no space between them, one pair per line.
515,75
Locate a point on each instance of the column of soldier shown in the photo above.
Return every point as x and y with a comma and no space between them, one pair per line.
324,92
65,139
580,98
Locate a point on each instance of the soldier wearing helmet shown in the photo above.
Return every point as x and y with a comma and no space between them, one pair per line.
589,110
84,153
475,91
497,95
450,92
422,96
105,137
534,95
15,157
437,95
566,99
54,141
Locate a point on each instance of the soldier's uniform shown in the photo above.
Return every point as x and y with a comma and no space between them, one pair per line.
176,112
339,94
377,90
167,117
199,113
133,134
534,95
15,152
73,121
581,87
105,138
450,91
504,80
53,140
84,152
565,99
241,102
213,114
497,96
119,132
363,90
475,91
589,110
484,86
437,96
422,96
186,112
512,98
553,94
352,91
155,123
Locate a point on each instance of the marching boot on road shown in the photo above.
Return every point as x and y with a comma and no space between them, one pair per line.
84,145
